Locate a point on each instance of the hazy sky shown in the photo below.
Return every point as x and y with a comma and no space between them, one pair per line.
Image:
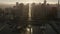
28,1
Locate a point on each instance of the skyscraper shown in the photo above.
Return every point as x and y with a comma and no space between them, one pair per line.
58,13
17,4
45,2
58,3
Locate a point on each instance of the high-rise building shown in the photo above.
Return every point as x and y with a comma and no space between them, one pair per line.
17,4
45,2
58,13
58,5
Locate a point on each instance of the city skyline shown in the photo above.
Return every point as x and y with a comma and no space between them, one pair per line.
28,1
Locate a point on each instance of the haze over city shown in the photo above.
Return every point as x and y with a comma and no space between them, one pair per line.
27,1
